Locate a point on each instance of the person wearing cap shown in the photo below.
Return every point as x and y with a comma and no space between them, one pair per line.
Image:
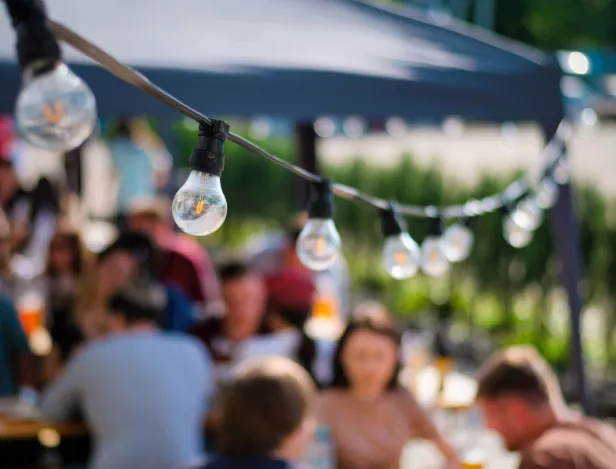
184,263
276,251
143,392
290,294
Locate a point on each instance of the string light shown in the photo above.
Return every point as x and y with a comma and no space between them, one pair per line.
199,208
433,253
318,244
527,214
546,194
516,235
458,241
401,254
55,109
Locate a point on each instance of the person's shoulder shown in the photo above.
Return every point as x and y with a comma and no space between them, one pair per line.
186,344
562,445
329,398
185,247
546,458
6,305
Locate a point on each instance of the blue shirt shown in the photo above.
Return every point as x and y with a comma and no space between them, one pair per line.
179,312
12,343
136,173
144,395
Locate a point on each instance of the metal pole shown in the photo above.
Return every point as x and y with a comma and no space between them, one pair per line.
566,243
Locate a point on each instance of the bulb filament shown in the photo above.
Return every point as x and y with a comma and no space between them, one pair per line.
199,207
400,258
319,246
55,115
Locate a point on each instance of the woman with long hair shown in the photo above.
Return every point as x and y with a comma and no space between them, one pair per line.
371,417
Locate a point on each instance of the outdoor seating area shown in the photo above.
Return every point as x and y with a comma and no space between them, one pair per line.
186,282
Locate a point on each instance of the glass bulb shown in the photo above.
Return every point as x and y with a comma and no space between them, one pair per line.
457,242
199,207
55,110
528,214
433,258
514,234
547,194
562,172
318,245
401,256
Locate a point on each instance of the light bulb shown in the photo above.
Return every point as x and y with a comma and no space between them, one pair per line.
547,194
55,110
318,245
199,207
401,256
562,172
514,234
457,242
433,259
527,214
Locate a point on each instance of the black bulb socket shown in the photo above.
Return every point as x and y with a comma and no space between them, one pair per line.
208,156
37,47
321,203
436,226
392,224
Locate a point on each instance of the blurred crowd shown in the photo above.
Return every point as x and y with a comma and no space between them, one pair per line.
168,357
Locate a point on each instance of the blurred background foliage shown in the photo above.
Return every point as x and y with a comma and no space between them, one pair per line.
511,295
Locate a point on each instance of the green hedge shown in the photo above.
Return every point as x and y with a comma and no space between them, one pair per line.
499,289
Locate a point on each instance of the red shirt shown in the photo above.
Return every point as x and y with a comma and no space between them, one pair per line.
187,266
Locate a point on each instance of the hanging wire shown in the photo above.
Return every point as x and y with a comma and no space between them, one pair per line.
551,153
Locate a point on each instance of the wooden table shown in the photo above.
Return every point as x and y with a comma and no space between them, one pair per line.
46,433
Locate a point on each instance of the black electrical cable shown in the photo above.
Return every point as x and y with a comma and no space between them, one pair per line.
518,189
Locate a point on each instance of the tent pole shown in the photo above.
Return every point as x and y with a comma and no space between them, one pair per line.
565,235
306,150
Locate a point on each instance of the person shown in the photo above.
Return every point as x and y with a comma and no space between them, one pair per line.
7,280
289,303
134,166
521,400
31,213
276,251
244,297
129,257
68,261
14,351
143,392
266,420
184,263
370,416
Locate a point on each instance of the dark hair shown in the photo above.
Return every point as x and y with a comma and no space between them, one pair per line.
122,129
517,371
265,402
75,246
143,300
378,324
234,270
138,245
